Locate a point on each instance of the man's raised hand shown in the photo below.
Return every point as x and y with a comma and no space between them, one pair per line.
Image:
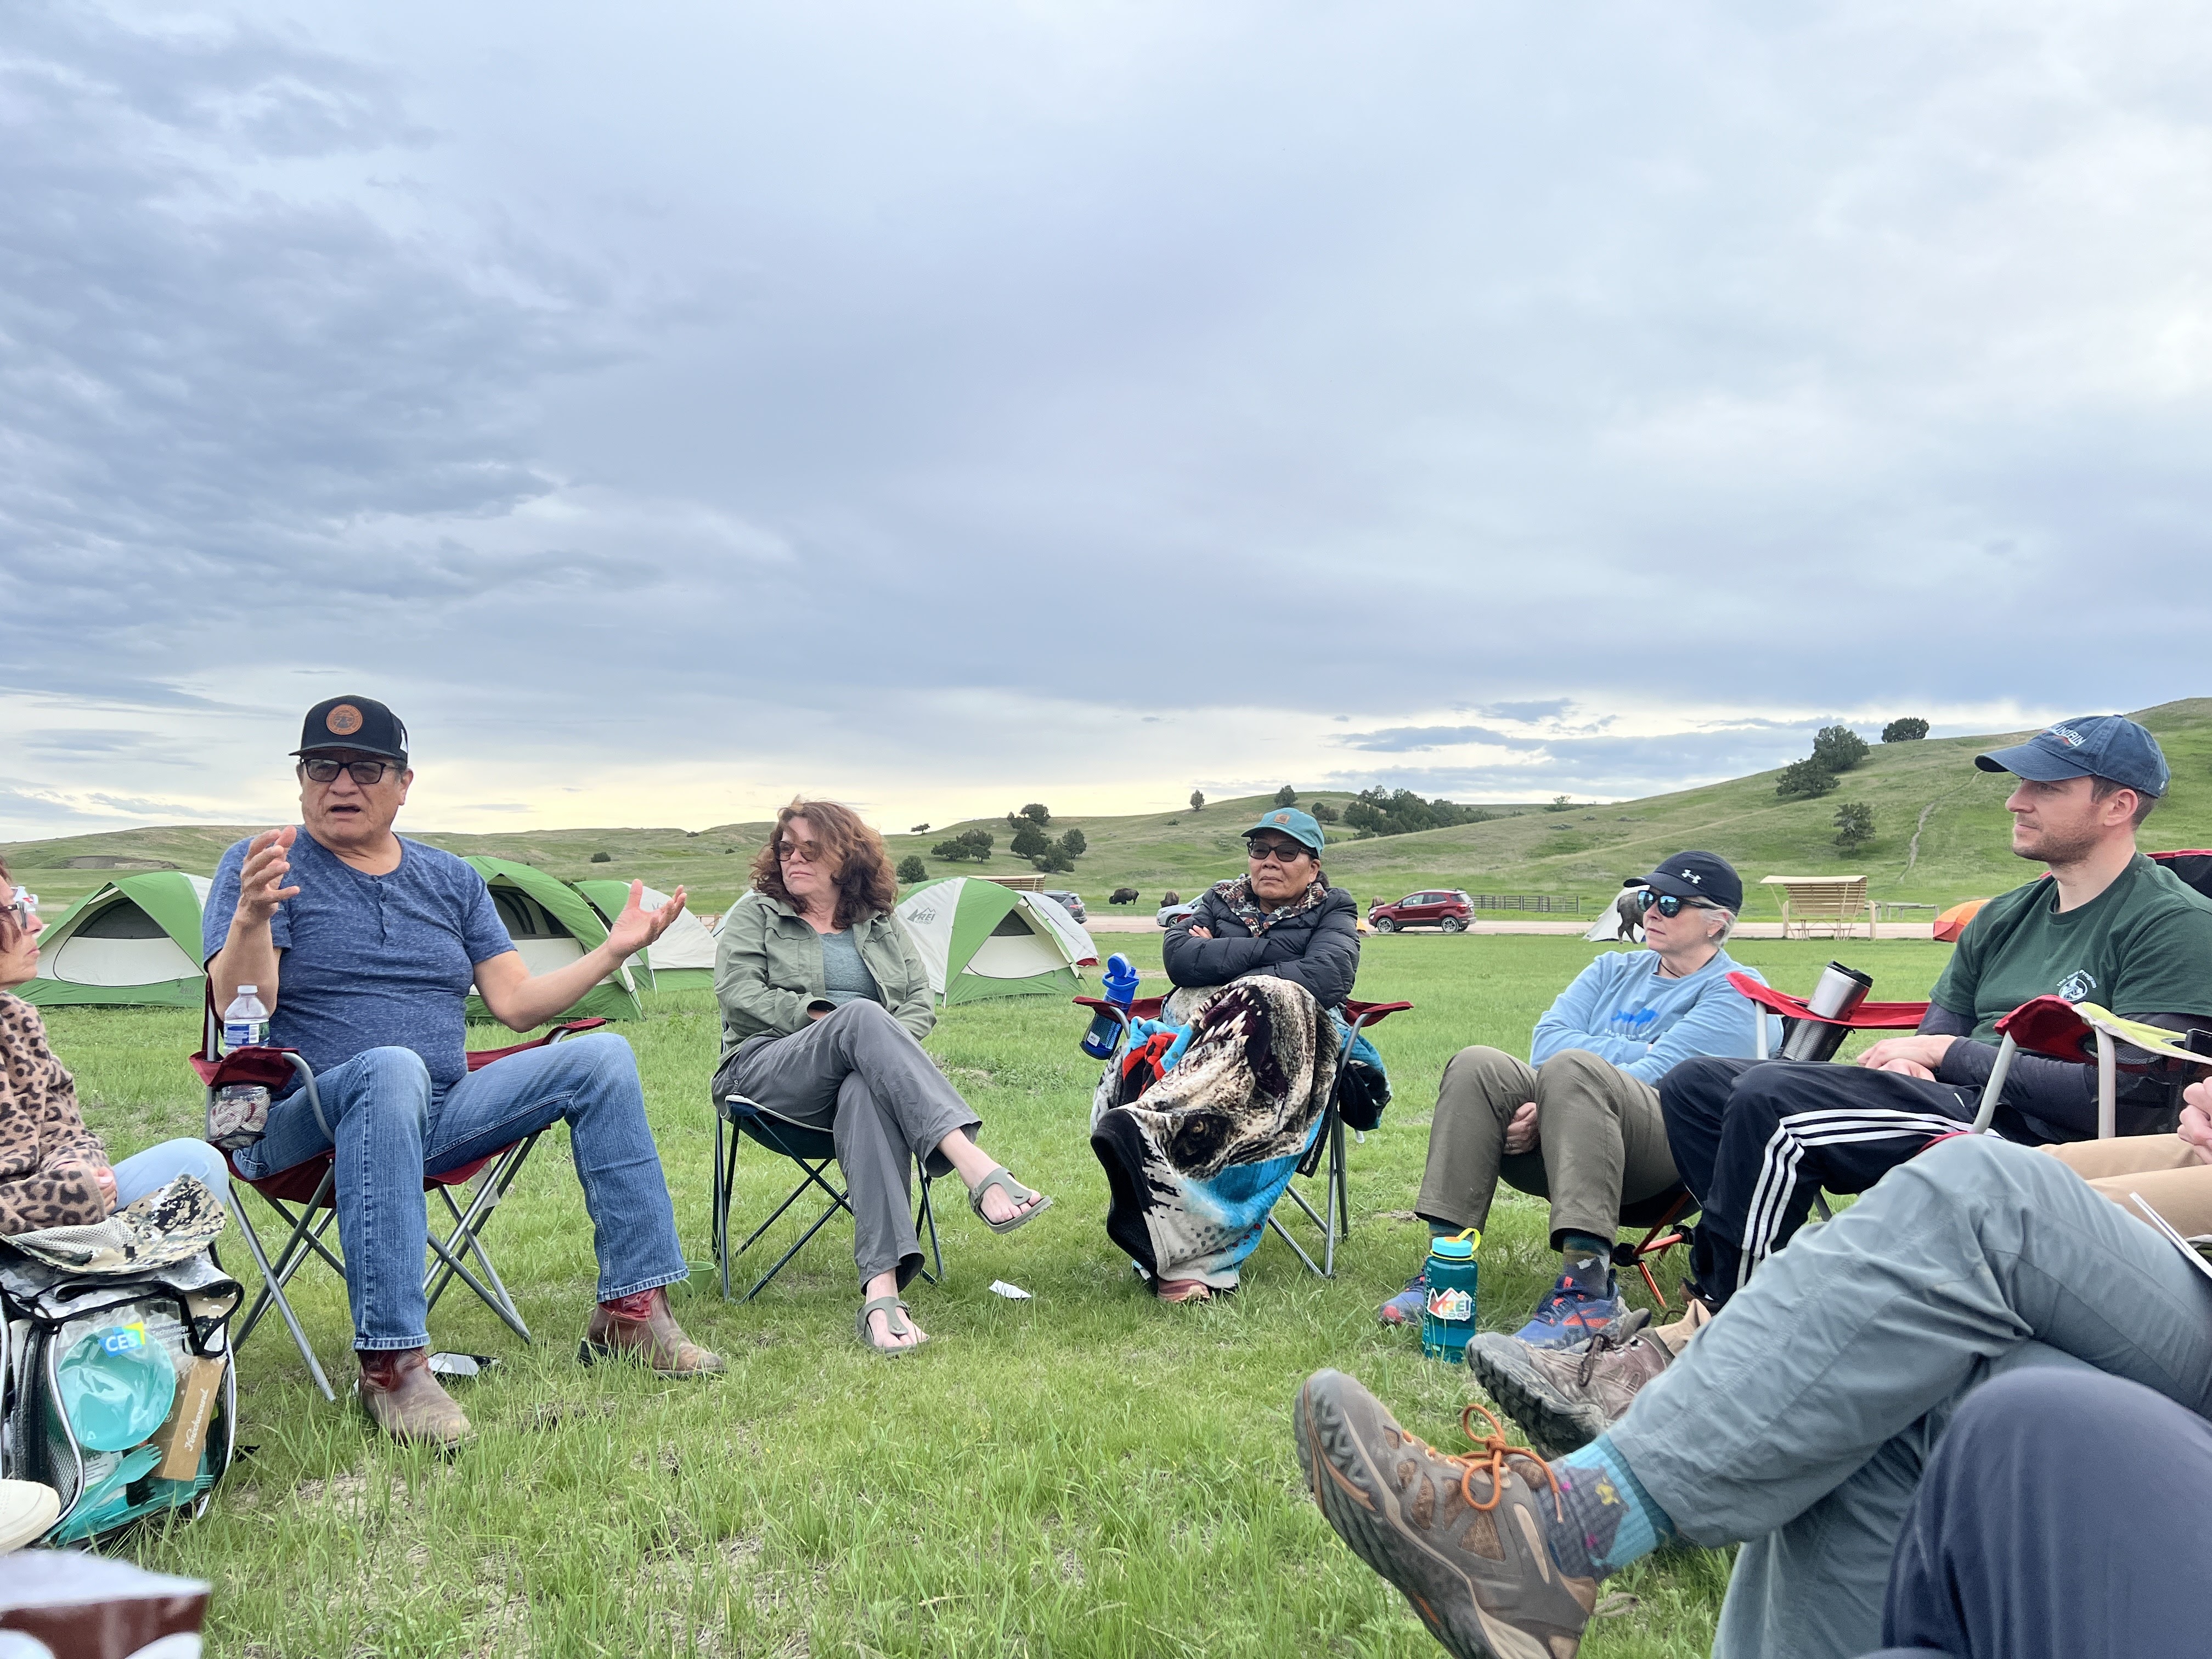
637,927
261,882
2195,1125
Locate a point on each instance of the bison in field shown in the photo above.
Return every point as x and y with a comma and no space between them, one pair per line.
1170,898
1122,896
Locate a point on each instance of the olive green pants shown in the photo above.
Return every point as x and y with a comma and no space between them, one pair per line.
1602,1142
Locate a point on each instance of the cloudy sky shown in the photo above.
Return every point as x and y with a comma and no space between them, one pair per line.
671,406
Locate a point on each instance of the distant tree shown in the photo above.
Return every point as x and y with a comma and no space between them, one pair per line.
1073,844
1013,820
1378,812
1804,780
911,869
1054,857
1323,812
1911,729
1839,748
969,844
1197,801
1286,796
1560,804
1037,813
919,829
603,858
1028,840
1854,826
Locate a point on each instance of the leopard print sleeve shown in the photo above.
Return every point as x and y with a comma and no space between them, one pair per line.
47,1156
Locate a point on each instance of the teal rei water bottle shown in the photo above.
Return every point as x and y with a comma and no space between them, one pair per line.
1448,1320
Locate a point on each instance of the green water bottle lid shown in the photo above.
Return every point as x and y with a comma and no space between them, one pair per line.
1458,1247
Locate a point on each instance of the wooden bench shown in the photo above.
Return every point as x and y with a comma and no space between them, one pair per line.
1836,903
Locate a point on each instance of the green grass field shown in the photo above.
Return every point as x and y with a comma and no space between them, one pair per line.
1084,1474
1930,789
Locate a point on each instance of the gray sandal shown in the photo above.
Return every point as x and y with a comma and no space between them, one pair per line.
890,1307
1015,1191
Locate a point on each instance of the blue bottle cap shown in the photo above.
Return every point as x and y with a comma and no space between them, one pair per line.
1458,1248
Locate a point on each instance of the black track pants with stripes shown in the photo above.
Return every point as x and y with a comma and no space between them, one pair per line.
1756,1141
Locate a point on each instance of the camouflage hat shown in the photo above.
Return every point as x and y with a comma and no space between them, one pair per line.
165,1227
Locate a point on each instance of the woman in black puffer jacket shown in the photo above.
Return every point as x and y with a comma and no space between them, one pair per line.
1194,1163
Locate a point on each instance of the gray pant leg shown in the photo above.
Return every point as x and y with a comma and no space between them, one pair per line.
872,1153
911,1107
1814,1589
1603,1140
1480,1090
1837,1366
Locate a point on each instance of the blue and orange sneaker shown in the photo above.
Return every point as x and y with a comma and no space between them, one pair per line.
1409,1304
1569,1315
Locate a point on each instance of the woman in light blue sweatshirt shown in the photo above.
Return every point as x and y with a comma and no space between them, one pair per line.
1579,1121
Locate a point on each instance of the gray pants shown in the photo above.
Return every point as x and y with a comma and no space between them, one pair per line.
1602,1142
860,1074
1800,1420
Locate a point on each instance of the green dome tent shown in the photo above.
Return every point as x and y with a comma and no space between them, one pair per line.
551,923
683,958
979,940
134,941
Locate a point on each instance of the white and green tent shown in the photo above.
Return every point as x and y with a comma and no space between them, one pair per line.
979,940
683,958
551,923
134,941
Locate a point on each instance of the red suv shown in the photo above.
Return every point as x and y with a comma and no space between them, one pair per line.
1449,909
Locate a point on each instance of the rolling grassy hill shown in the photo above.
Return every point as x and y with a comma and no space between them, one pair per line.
1930,787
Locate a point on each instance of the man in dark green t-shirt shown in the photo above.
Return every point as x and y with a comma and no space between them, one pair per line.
1757,1140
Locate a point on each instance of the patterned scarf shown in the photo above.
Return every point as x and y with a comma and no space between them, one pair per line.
1237,895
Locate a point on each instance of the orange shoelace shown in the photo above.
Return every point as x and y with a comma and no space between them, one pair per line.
1488,1457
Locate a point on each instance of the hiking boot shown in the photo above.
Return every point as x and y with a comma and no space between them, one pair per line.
1564,1399
640,1327
1462,1537
1409,1304
1567,1317
406,1401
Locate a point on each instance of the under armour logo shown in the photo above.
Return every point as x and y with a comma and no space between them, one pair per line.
1691,876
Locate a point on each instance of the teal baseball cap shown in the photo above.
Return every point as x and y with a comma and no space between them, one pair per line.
1298,826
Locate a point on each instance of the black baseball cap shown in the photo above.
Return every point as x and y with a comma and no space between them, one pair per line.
360,724
2098,745
1698,875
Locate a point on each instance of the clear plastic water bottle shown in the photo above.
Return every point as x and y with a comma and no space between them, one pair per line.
1121,989
246,1022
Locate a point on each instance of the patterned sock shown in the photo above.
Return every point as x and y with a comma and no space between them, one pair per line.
1586,1263
1611,1520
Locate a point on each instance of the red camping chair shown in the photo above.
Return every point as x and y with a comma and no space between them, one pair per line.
303,1198
1333,1219
2086,1035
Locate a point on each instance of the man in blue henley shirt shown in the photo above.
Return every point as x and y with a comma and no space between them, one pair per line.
1579,1121
364,948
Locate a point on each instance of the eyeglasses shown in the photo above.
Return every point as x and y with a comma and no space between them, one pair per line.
22,904
365,773
1283,852
1668,905
801,850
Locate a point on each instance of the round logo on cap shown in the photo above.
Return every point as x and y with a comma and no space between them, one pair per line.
343,720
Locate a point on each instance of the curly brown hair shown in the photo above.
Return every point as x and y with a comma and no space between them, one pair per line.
865,885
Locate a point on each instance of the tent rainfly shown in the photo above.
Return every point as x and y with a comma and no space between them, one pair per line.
134,941
681,958
979,940
551,923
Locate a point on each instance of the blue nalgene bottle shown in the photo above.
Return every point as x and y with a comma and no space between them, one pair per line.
1448,1319
1121,989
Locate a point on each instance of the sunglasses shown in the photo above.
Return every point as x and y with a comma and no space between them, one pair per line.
22,904
365,773
1667,905
1283,852
802,851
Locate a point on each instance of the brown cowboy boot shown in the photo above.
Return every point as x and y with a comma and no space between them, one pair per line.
404,1399
640,1327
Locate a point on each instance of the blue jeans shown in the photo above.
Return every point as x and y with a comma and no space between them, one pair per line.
391,1129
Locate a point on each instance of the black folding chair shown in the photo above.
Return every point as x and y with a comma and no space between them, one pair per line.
815,1152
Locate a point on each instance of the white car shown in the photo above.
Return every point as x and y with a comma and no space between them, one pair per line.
1172,914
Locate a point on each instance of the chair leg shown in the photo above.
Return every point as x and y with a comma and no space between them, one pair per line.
929,1216
272,1288
761,1284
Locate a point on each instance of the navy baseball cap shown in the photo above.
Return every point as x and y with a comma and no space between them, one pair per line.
1698,875
1298,826
360,724
2097,745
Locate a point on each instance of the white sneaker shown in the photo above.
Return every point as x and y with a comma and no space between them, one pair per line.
27,1508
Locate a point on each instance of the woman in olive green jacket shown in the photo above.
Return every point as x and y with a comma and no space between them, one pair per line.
824,1004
